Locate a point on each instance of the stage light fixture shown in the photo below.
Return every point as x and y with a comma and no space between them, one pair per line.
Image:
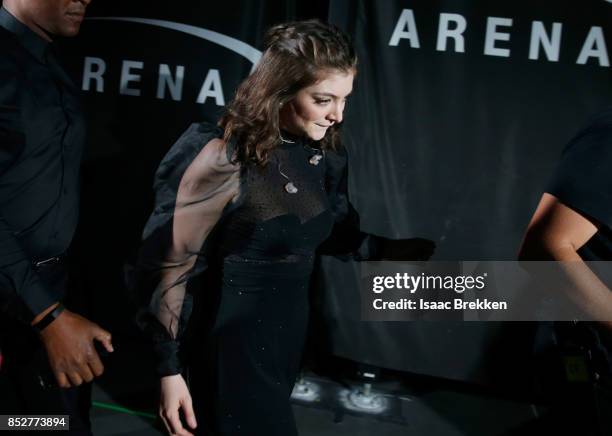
362,399
305,390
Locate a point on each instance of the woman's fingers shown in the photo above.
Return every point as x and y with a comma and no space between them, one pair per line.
172,421
188,412
177,425
166,424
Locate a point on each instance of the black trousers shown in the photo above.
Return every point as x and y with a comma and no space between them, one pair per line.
27,384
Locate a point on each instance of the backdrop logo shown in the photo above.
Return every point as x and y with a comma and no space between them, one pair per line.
544,40
169,82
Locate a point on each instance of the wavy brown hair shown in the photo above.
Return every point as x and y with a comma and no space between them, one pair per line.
296,55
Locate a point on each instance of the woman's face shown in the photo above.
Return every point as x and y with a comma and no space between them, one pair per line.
317,107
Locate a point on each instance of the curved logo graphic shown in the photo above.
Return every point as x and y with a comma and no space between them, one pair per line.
233,44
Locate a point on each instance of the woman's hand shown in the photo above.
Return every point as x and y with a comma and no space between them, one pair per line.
174,396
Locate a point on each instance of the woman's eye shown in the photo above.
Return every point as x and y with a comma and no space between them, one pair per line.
322,102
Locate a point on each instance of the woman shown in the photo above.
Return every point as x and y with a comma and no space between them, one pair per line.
248,203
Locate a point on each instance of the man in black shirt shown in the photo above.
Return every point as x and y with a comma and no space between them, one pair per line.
573,225
573,222
41,141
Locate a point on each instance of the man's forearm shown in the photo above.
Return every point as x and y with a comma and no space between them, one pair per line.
586,289
18,275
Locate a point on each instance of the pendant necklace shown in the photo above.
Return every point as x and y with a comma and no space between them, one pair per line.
289,186
313,160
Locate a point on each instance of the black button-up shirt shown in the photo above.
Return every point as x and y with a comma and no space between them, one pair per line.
42,134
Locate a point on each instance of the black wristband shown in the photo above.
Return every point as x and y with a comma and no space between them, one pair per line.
49,317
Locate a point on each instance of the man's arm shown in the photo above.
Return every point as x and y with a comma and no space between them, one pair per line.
16,272
556,232
18,276
69,339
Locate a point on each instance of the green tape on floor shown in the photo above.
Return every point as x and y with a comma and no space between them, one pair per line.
120,409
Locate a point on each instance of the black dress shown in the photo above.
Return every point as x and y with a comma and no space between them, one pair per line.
242,350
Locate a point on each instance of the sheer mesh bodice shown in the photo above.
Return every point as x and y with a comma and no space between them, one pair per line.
271,224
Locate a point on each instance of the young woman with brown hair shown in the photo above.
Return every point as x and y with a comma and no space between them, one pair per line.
244,206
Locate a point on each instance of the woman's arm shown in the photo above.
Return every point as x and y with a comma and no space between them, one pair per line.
207,186
175,236
347,240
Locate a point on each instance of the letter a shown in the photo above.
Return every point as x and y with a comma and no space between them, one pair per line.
212,88
594,46
405,29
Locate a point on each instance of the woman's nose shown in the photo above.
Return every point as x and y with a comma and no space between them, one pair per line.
336,114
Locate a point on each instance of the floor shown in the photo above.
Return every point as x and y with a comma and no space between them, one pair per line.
125,398
435,413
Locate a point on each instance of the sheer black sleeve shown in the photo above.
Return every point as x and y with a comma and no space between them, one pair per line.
346,240
194,184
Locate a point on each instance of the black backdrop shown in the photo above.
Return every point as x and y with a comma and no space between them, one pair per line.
460,145
456,146
450,146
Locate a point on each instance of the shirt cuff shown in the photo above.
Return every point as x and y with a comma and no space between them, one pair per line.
167,357
36,296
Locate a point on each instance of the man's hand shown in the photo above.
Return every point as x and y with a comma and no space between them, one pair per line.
69,342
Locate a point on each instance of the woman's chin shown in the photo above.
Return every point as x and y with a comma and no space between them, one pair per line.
317,135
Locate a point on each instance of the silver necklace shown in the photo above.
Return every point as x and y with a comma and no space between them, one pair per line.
313,160
289,186
285,140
